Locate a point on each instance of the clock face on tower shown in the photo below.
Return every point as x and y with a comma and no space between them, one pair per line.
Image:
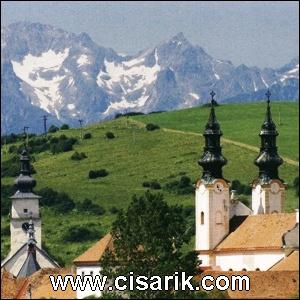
219,187
275,187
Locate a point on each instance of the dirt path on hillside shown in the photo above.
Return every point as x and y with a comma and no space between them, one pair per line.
224,140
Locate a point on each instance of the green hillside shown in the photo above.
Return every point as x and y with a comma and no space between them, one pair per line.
136,155
240,122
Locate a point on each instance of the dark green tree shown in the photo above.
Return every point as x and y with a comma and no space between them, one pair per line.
148,240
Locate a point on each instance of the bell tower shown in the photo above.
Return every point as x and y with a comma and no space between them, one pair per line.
212,193
268,189
25,207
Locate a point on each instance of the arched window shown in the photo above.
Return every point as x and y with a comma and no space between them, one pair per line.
218,217
202,218
244,269
230,269
274,212
257,269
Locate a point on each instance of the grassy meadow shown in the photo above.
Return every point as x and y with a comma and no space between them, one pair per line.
136,155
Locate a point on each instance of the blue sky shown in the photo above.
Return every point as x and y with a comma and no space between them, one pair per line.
264,34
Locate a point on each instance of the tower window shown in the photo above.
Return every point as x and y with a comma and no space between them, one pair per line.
25,210
202,218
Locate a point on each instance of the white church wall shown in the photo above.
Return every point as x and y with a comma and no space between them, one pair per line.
249,261
88,270
22,208
18,237
202,218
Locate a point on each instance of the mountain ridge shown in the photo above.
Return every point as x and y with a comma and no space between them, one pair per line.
67,76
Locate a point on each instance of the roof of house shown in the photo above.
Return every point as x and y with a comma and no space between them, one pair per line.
42,288
94,253
263,231
10,285
263,284
38,283
289,263
291,238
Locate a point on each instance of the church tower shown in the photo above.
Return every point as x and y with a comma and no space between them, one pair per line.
26,255
25,206
268,189
212,193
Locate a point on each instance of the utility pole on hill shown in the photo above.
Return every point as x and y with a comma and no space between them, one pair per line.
80,122
25,129
45,124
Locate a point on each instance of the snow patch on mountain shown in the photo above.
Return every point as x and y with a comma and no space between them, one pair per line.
83,60
32,70
196,96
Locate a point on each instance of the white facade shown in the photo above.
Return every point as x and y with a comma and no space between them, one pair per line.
268,198
83,270
21,211
250,261
212,216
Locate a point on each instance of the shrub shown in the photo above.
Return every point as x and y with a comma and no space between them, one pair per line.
113,210
78,156
181,187
184,181
247,190
188,210
109,135
6,192
80,233
155,185
87,136
62,144
53,129
5,230
235,184
61,202
97,173
151,127
152,185
65,127
88,206
63,137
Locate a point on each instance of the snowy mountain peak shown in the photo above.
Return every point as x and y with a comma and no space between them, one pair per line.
46,70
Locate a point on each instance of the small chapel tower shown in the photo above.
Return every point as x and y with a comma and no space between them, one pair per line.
268,189
25,206
212,193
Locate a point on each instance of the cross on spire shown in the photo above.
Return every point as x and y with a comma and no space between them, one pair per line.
268,94
212,93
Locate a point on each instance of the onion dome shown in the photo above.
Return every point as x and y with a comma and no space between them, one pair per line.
268,160
25,183
212,159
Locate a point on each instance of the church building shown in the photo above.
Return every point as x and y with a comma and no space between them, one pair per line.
229,235
26,255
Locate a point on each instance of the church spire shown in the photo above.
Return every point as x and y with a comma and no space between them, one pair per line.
268,159
212,159
25,183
